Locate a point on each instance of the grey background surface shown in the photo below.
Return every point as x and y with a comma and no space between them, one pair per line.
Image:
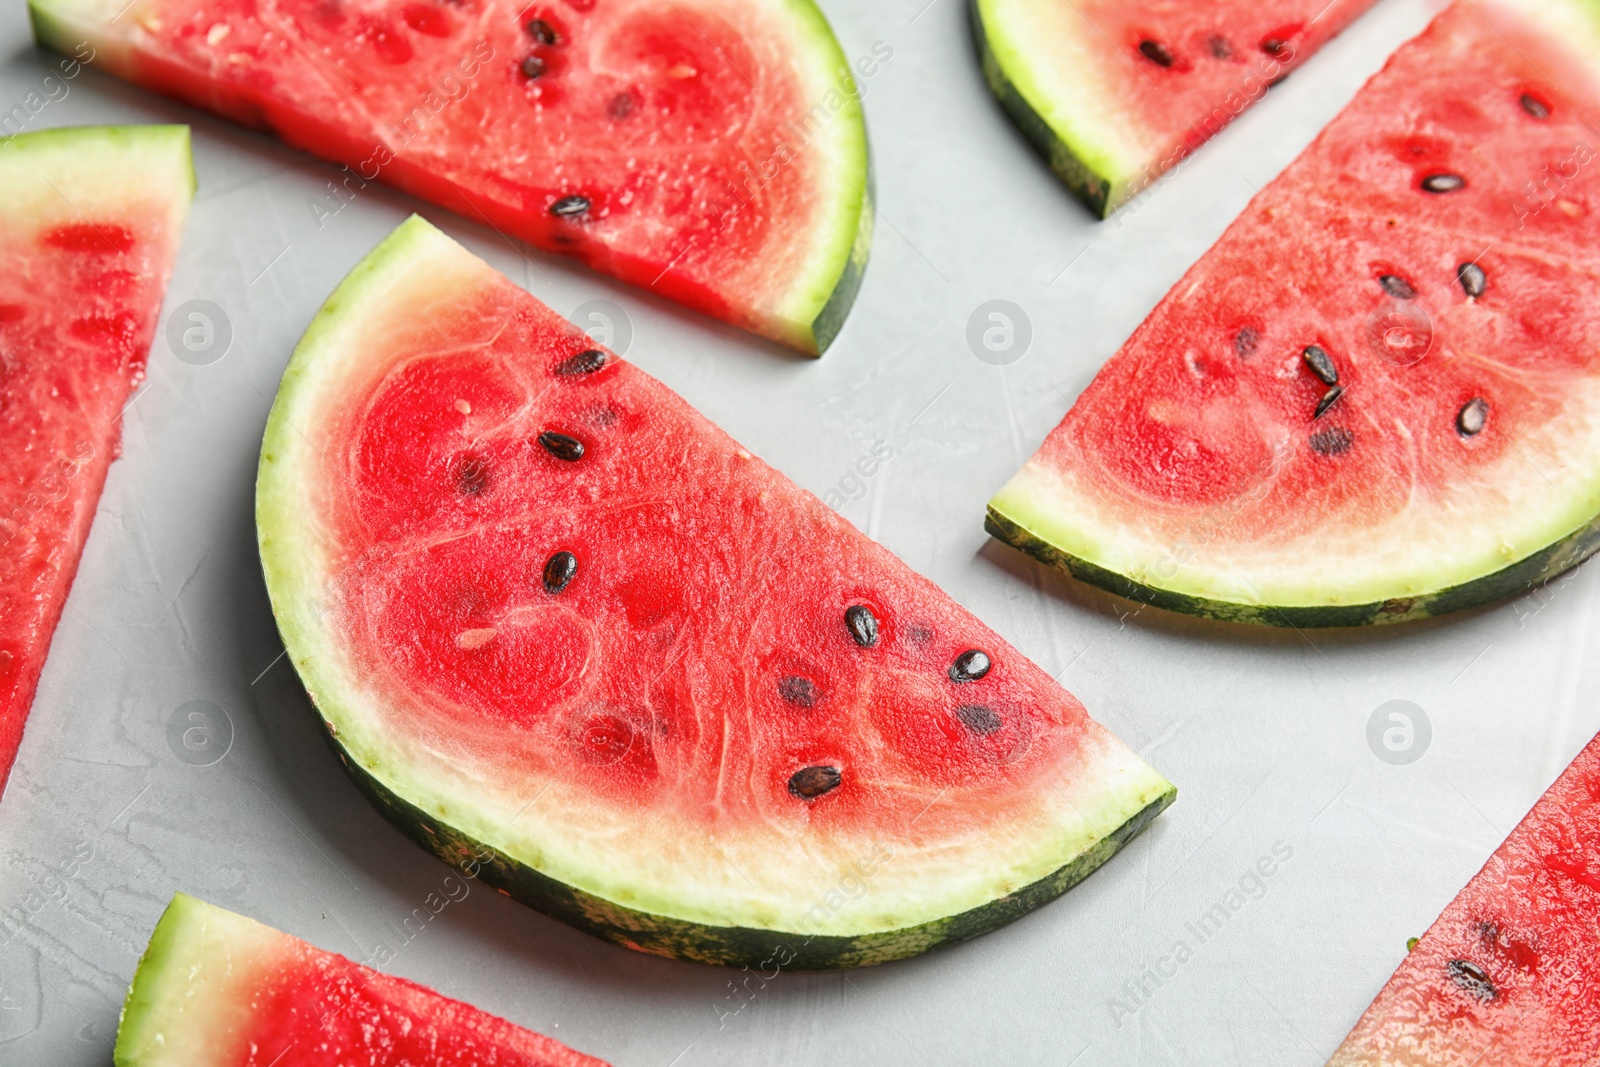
1265,732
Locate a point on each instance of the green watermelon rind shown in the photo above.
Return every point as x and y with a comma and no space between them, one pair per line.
1527,573
1067,139
810,314
1106,800
84,146
730,946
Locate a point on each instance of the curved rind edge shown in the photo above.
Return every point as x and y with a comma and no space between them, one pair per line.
1530,571
830,320
1098,192
139,1006
660,935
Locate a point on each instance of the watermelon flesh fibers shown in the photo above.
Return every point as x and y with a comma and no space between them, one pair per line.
1377,397
712,151
545,607
1116,93
1508,974
90,220
215,989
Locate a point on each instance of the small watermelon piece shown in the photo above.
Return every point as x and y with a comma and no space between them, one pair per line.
551,614
1506,976
1377,397
215,989
712,151
90,220
1115,93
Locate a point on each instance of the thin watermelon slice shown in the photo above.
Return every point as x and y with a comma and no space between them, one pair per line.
1116,93
89,220
547,610
712,151
1377,397
215,989
1506,976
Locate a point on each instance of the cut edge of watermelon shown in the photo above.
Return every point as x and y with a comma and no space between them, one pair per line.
1087,156
1079,823
193,944
808,317
1032,513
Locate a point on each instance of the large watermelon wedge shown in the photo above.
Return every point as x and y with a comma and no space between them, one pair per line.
1115,93
215,989
1507,976
546,609
712,151
89,223
1377,397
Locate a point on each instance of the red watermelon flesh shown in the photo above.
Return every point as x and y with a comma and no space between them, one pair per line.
1507,975
514,570
215,989
1437,245
90,220
710,150
1115,93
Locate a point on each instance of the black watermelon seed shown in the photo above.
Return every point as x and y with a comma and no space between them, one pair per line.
969,666
1220,47
1443,183
1473,417
1245,342
809,783
1472,978
1321,364
1535,107
569,207
541,31
1155,52
1473,280
862,624
1273,47
559,570
586,362
1397,287
979,719
797,691
532,66
1330,398
1333,441
561,446
472,475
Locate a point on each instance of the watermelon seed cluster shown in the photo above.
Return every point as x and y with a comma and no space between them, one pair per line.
533,64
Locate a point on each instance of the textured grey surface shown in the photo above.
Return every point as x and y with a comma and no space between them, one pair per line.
1264,732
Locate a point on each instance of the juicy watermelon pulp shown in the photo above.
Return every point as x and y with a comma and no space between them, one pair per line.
1506,976
710,150
89,220
1377,397
1115,93
215,989
547,609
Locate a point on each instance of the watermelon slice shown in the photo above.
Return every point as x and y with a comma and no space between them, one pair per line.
548,611
215,989
1115,93
90,220
712,151
1506,976
1377,397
